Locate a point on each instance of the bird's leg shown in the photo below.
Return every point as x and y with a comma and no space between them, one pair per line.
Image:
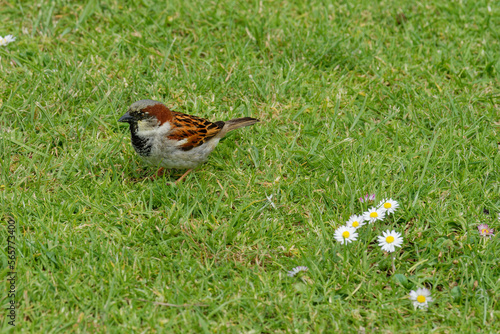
183,176
160,172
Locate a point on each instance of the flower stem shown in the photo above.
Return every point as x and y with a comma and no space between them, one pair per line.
346,262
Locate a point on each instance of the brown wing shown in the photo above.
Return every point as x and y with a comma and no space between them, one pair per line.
195,129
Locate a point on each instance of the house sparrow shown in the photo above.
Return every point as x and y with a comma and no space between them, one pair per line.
170,139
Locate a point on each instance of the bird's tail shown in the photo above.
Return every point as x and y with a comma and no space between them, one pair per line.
239,123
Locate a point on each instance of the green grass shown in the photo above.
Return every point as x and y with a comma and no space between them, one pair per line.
400,99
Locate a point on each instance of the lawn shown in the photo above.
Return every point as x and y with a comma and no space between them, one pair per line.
400,99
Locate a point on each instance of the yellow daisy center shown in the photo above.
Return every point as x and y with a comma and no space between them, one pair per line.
389,239
485,231
356,224
374,214
421,299
346,234
387,205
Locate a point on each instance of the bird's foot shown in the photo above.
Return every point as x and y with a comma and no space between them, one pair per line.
183,176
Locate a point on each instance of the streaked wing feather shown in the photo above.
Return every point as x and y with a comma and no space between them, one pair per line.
195,129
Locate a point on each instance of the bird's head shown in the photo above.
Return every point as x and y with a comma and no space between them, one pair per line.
146,115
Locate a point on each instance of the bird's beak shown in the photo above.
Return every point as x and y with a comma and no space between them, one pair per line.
126,118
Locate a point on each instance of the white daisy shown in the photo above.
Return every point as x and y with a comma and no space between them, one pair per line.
345,234
485,230
6,40
388,205
421,297
390,239
367,198
374,214
297,270
356,221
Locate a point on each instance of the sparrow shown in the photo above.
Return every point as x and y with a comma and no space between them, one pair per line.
169,139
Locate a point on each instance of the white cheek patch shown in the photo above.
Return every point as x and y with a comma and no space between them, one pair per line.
147,128
144,126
